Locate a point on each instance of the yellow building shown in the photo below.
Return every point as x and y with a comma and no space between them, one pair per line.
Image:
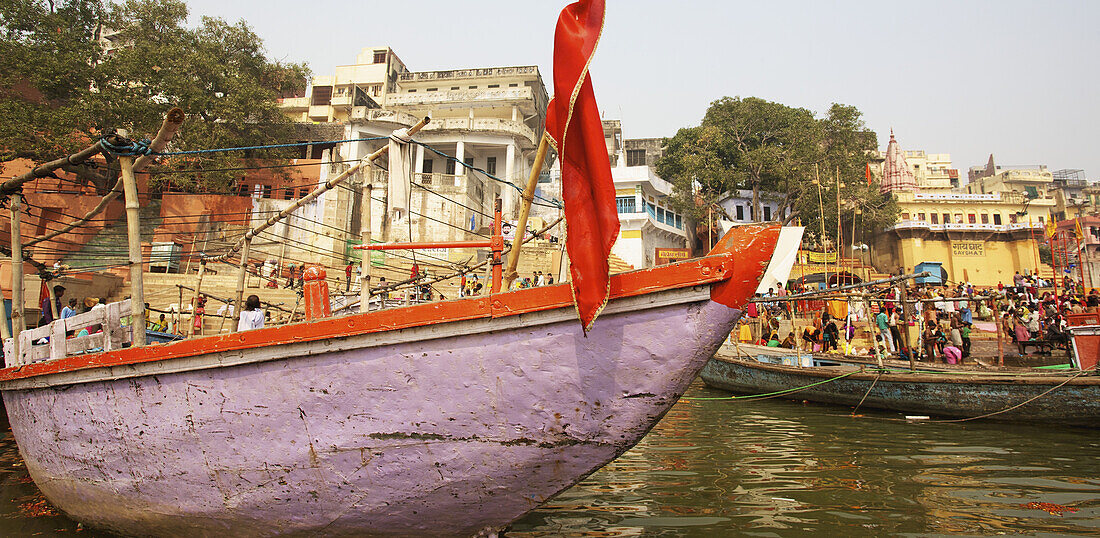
979,238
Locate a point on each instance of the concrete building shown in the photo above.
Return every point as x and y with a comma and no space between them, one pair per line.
738,206
1033,180
647,222
980,238
487,118
933,171
1073,195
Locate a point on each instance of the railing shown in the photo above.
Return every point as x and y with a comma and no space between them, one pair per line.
453,96
113,335
909,224
439,180
455,74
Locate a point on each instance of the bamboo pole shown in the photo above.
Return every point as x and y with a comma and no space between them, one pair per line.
15,184
905,323
871,331
195,298
366,233
168,129
510,273
133,236
241,275
18,322
313,195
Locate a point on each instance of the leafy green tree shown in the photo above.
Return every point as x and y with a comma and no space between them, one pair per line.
769,147
62,90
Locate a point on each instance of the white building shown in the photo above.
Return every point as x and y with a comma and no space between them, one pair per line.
738,206
646,219
488,118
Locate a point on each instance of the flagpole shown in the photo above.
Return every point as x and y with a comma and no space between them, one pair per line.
524,211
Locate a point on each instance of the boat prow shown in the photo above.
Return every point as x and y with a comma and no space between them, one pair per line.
446,418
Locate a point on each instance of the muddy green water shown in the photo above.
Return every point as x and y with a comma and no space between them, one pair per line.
781,468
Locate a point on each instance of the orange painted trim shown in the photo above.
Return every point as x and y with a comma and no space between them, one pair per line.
700,271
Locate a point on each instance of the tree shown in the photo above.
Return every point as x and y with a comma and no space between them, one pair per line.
764,146
55,103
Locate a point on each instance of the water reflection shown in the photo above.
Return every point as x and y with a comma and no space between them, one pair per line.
779,468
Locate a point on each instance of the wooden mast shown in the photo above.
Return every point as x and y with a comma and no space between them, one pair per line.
133,237
18,322
524,211
365,238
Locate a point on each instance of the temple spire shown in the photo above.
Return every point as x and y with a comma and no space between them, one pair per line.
896,174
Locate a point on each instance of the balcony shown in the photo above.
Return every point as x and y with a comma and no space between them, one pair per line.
966,227
462,98
319,112
459,74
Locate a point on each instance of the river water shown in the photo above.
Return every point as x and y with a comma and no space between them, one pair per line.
782,468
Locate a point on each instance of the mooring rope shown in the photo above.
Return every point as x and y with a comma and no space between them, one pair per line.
772,394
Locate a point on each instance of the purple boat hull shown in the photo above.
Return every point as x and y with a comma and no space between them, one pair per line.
376,434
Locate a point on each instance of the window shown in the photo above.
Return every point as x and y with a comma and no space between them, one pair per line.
740,212
972,219
625,204
242,190
450,167
679,223
958,218
288,193
946,218
997,219
473,87
905,216
661,214
767,213
985,218
920,216
494,86
635,157
432,90
266,191
491,165
428,164
513,85
322,96
454,88
1012,218
413,90
303,192
1040,220
379,56
469,161
935,218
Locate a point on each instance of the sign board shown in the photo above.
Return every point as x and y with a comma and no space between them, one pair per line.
508,229
669,255
968,248
821,257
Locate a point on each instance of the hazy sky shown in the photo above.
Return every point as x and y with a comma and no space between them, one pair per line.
1013,78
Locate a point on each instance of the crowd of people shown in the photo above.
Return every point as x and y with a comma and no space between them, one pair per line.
1029,314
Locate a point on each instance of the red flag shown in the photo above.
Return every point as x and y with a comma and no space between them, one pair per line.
868,173
573,124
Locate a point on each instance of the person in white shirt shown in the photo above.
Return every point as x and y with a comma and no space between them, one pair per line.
251,316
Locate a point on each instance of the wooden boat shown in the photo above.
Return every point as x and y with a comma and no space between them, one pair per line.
1066,397
445,418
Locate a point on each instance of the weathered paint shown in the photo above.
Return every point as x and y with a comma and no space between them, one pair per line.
479,428
1077,403
441,419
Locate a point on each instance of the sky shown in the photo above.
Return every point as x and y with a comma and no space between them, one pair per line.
1017,79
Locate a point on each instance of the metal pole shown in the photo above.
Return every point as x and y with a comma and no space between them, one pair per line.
904,296
18,322
133,236
499,240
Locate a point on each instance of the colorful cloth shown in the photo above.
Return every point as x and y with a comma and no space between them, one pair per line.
576,131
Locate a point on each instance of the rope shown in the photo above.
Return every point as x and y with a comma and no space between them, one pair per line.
128,148
776,393
549,201
268,146
1021,404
